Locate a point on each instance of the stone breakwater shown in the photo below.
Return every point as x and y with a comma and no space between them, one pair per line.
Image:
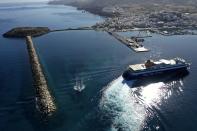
44,101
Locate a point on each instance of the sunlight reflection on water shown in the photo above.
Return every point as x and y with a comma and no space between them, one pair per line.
152,93
128,106
123,109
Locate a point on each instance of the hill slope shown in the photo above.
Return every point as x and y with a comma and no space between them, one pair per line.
98,6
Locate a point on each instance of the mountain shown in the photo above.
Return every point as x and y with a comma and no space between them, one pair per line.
119,2
98,6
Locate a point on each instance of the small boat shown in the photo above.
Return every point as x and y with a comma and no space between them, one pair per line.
79,86
151,68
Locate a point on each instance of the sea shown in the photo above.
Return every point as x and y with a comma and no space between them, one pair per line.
95,59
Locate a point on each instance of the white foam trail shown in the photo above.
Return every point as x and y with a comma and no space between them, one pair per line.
120,105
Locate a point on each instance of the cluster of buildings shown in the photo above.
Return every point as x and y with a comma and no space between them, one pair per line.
171,19
170,22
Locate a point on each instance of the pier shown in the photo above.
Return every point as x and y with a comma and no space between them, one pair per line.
134,45
44,101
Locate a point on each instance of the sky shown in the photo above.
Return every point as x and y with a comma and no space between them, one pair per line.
8,1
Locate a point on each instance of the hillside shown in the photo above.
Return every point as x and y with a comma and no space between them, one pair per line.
169,17
99,6
103,3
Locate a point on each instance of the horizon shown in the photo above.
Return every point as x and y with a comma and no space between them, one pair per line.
22,1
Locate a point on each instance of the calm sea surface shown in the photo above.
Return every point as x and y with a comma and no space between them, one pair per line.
108,103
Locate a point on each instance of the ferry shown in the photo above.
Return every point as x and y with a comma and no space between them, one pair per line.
155,68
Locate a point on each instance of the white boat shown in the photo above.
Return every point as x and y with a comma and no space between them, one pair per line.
79,86
151,68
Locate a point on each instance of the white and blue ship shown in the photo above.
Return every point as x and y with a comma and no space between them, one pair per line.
155,68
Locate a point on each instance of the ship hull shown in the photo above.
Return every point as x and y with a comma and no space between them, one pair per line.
128,75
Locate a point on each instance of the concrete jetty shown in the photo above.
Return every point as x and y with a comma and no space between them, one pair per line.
44,101
134,45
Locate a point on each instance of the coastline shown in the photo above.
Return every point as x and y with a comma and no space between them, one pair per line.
162,19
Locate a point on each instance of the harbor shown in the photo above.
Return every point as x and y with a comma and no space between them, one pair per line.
134,43
79,67
44,100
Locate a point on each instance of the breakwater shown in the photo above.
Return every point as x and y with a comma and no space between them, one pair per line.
21,32
44,101
70,29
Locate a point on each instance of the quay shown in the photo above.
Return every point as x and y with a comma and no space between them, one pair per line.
134,45
44,101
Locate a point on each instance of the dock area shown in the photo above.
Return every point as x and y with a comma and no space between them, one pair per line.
134,45
44,101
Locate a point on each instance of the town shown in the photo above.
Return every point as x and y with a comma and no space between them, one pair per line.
168,21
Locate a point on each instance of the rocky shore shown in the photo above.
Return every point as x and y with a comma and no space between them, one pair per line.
44,101
21,32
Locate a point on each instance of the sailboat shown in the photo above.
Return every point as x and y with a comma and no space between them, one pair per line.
79,86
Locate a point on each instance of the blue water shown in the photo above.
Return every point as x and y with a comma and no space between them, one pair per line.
108,102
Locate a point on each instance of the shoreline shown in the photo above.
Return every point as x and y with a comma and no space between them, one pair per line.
162,19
